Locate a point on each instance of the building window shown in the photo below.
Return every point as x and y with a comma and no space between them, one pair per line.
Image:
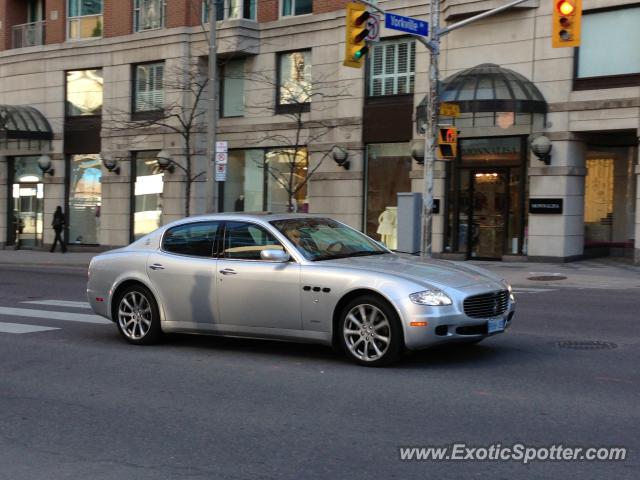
226,9
392,68
148,91
84,19
608,54
85,198
294,78
257,180
232,89
84,90
296,7
148,15
147,193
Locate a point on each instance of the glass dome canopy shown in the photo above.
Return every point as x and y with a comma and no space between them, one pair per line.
491,88
23,122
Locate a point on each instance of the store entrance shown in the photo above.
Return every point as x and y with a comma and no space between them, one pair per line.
488,213
27,214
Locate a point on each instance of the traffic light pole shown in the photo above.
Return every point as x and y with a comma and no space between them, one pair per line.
431,133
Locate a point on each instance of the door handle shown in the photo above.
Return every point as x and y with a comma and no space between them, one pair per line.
156,266
228,271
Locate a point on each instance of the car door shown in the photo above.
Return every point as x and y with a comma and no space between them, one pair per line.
183,272
253,292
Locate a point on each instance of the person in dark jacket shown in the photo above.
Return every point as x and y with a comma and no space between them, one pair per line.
58,225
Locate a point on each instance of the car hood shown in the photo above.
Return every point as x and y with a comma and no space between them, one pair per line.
419,270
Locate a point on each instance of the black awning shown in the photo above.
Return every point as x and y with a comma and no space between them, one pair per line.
23,122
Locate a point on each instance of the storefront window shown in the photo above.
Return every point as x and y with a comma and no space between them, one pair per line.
147,193
85,198
388,168
258,180
609,197
27,196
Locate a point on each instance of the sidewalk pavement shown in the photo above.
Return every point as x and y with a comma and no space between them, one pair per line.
606,273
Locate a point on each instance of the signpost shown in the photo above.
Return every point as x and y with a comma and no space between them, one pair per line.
449,110
406,24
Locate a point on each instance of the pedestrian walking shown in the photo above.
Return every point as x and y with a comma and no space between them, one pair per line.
58,224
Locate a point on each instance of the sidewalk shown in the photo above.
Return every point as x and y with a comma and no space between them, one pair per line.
613,272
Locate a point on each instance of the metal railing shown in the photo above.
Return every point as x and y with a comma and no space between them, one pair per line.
28,34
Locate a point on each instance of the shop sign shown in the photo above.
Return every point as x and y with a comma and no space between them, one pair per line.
545,205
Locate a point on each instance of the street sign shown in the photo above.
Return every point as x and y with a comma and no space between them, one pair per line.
450,110
221,172
221,157
373,25
406,24
222,146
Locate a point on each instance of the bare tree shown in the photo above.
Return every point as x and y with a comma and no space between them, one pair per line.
182,116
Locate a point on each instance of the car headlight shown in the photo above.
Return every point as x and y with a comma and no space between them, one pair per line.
430,297
512,298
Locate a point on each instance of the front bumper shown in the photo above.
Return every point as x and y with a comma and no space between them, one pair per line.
446,325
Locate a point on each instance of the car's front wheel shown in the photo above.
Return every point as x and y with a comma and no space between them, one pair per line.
370,332
137,316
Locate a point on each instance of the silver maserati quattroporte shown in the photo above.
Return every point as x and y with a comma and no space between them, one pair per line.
293,277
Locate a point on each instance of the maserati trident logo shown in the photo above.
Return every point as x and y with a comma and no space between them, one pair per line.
496,305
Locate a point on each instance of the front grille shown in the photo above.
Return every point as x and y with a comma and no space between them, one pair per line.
487,305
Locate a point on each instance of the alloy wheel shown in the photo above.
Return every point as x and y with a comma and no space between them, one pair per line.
367,332
134,315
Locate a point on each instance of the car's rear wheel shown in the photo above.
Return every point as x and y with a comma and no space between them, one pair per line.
370,332
137,316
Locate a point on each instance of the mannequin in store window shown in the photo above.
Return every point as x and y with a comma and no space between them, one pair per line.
387,227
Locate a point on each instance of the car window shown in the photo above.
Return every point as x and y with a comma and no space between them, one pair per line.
325,239
195,239
245,241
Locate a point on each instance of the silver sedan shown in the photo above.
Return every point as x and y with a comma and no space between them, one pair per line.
293,277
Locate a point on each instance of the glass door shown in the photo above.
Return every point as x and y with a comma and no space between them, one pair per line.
489,207
27,215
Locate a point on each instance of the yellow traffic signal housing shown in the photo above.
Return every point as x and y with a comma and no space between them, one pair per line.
447,143
356,33
567,15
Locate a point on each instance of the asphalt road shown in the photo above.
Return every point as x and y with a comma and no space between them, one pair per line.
77,402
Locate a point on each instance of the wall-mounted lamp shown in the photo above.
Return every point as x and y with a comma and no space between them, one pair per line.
541,147
44,162
165,162
111,164
340,156
417,151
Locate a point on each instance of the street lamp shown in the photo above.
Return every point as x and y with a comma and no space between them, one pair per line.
340,156
541,147
44,162
111,164
165,162
417,151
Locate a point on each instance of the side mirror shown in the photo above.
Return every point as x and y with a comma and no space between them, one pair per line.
279,256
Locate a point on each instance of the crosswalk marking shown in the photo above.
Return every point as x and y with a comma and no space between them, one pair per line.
70,317
22,328
60,303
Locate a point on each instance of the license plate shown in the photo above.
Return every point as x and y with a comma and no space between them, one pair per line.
495,325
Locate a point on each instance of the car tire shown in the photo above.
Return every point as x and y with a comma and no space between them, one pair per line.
369,332
137,315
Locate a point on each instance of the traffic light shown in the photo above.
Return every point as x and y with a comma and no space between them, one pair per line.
566,23
356,32
447,143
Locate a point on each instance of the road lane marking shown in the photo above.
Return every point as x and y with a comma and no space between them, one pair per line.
60,303
70,317
22,328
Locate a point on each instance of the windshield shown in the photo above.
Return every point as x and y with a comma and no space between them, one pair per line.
326,239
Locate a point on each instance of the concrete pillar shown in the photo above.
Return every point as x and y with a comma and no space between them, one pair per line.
555,237
115,211
3,201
